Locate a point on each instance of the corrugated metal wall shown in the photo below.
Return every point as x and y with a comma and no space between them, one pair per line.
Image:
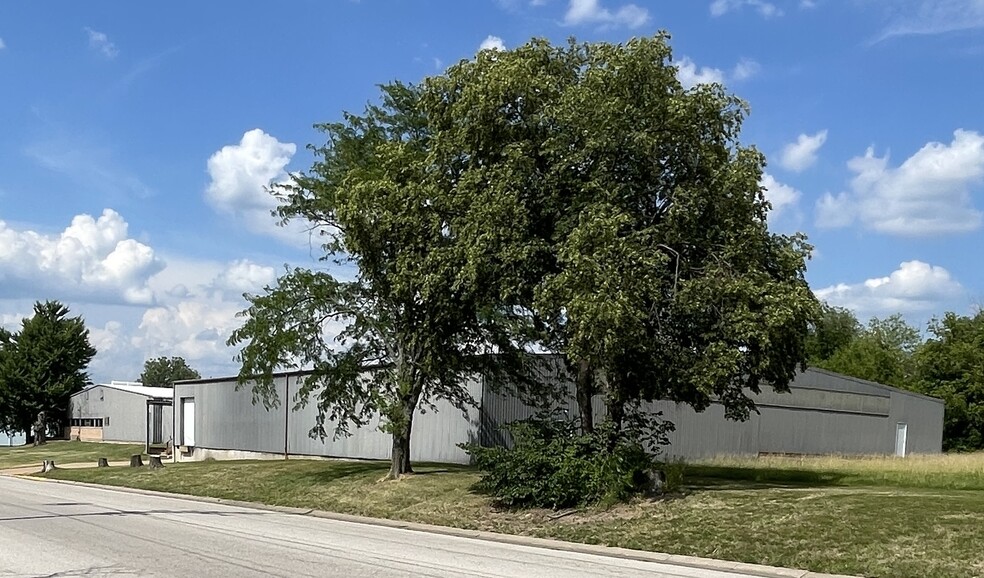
127,412
824,414
227,419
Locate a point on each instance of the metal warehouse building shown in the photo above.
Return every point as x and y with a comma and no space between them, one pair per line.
12,439
121,412
824,413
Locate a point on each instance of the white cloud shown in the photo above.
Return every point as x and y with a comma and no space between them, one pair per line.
195,329
92,258
194,314
782,197
928,194
244,276
923,17
690,75
241,175
808,4
580,12
100,42
766,9
834,211
914,287
801,155
745,69
492,43
2,44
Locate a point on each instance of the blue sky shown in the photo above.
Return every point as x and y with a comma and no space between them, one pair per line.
136,142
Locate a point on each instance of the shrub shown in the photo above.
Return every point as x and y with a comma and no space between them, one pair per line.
552,465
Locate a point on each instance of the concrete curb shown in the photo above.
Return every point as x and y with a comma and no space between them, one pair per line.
544,543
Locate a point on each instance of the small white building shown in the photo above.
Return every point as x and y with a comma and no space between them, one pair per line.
122,411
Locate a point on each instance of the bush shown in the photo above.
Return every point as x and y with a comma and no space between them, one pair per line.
552,465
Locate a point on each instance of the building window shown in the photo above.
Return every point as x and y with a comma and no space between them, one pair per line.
88,421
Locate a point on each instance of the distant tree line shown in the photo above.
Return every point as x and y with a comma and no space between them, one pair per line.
948,363
164,371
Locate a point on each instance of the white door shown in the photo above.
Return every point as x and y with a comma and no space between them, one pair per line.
900,433
188,421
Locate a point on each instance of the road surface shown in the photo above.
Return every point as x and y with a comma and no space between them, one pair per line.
49,529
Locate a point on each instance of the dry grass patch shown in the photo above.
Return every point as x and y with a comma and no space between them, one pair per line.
946,471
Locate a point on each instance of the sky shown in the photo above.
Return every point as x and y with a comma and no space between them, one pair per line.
136,143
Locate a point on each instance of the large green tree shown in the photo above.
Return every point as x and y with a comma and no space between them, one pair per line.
881,352
164,371
950,365
404,325
41,366
621,212
834,328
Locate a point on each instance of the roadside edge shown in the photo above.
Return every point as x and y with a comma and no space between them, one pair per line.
513,539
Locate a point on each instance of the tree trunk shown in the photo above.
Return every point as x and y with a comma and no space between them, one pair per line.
585,391
400,458
616,414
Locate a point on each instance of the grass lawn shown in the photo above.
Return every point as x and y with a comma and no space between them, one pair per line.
65,452
878,517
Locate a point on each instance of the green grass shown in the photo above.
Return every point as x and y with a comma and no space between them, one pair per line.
865,517
66,452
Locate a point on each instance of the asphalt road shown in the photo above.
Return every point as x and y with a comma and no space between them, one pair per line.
49,529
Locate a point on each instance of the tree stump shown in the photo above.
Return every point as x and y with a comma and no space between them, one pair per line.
657,480
103,463
136,461
155,462
47,466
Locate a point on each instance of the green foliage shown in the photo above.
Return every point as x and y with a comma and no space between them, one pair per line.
164,371
882,352
411,322
951,366
834,328
41,366
551,464
637,234
578,197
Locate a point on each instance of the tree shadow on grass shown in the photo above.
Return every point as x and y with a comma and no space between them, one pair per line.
335,471
704,477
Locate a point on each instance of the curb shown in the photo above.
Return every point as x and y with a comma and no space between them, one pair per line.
516,540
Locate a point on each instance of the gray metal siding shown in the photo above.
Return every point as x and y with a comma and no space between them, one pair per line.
127,412
226,419
924,418
824,413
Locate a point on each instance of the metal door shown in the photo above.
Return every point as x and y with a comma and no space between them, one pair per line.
157,436
188,421
901,430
